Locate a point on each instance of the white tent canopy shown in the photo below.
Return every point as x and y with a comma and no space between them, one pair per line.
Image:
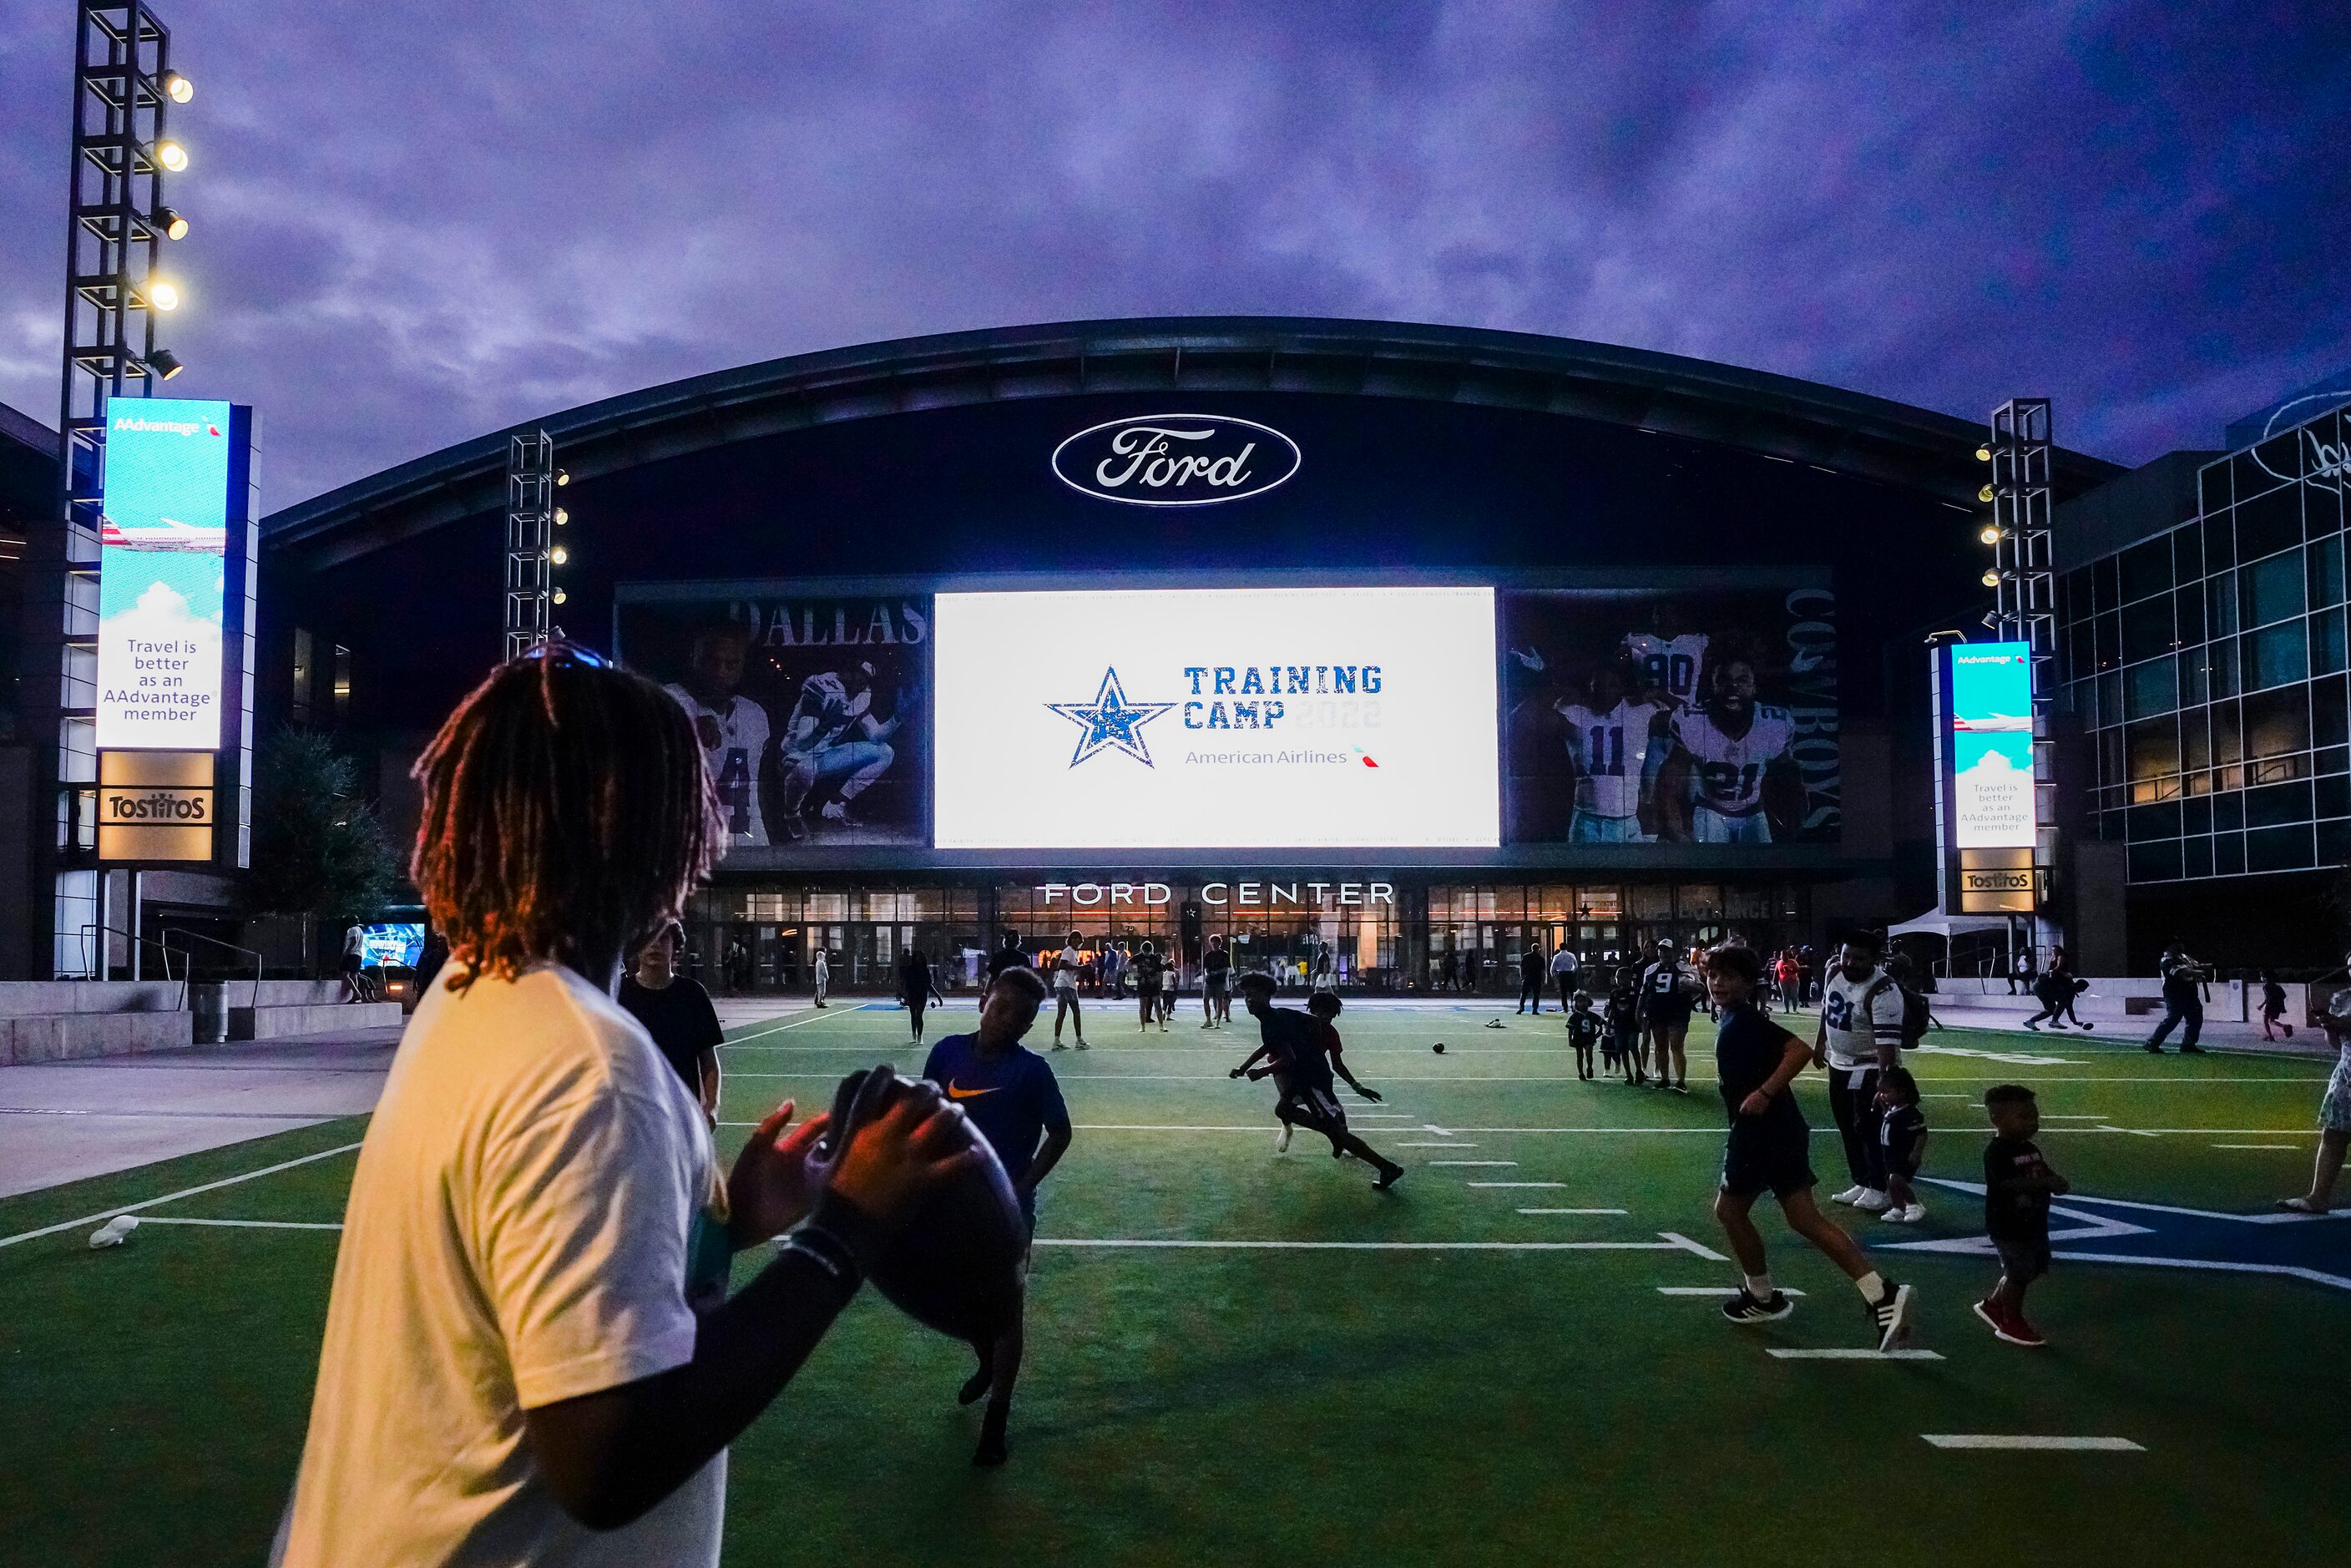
1947,925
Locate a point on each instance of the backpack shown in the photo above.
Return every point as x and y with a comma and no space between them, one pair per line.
1914,1018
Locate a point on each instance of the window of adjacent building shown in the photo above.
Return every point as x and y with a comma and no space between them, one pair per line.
2325,563
2146,568
2153,688
2325,643
304,675
2146,628
2276,655
2270,523
2271,590
2220,600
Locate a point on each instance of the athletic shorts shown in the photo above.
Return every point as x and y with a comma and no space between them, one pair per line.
1768,1155
1674,1015
2022,1261
1216,981
1317,1110
2335,1105
352,965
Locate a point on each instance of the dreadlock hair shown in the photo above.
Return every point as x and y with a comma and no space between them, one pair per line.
567,815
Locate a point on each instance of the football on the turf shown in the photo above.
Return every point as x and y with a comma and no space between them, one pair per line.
955,1266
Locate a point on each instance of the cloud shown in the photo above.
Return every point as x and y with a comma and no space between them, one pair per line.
415,224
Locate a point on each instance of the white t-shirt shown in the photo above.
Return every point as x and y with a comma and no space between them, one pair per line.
1853,1040
519,1233
1564,962
1065,969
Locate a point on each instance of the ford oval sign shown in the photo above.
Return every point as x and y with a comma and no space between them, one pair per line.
1175,459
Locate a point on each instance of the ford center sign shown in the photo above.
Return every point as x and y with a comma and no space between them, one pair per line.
1175,459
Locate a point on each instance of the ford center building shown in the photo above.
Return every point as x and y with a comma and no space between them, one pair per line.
1407,646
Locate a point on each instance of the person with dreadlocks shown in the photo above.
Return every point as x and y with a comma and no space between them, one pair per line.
530,1356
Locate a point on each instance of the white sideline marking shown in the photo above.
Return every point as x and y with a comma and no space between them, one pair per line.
1473,1161
818,1014
1718,1291
2291,1148
1517,1183
174,1197
1999,1440
1433,1127
1667,1242
1437,1146
1572,1211
1708,1253
248,1223
1777,1353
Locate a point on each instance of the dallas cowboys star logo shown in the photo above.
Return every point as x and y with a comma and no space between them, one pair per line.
1109,720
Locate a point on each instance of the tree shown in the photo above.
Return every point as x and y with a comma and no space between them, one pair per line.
319,851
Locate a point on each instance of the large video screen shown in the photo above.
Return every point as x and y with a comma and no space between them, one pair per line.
1210,719
1639,716
163,573
1992,745
813,710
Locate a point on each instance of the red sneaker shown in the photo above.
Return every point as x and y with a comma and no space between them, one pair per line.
1993,1318
2017,1330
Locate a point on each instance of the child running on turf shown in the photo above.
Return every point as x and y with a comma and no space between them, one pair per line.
1625,1022
1301,1047
2018,1184
2273,1006
1756,1062
1584,1029
1901,1144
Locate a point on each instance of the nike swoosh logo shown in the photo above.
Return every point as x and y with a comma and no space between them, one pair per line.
955,1094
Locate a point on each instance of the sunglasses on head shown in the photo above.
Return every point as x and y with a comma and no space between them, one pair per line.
568,653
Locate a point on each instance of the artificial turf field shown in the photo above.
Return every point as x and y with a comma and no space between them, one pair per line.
1374,1404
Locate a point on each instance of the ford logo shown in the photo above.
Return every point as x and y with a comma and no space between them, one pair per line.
1175,459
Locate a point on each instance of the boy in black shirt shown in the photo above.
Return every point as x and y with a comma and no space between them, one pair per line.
1756,1062
1624,1023
2018,1184
1584,1029
1303,1061
1901,1144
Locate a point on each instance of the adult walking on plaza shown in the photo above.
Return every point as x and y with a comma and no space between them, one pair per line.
2334,1107
2182,1000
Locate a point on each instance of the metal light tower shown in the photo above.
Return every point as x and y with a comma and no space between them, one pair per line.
2025,611
117,223
532,554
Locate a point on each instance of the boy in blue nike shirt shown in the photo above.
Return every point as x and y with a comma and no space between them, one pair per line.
1009,1096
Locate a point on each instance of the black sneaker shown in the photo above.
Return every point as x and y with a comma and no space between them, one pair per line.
1390,1173
2191,1050
1681,1088
1890,1314
974,1388
1744,1308
2154,1049
991,1451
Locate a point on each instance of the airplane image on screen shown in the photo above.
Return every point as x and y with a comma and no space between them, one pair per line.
163,534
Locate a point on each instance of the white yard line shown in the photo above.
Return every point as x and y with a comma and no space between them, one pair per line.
1667,1242
1720,1292
2291,1148
1517,1183
1572,1211
1437,1146
176,1197
1780,1354
1487,1163
245,1224
815,1015
2004,1440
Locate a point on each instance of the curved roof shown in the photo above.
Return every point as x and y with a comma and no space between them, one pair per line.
1848,431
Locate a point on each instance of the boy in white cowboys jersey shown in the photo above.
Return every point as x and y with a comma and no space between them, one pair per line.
1616,746
832,736
1860,1037
733,730
1729,765
1669,661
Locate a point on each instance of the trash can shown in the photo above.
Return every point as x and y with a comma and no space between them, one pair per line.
208,1000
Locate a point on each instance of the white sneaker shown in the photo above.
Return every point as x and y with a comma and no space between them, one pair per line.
1894,1214
115,1231
1914,1214
1281,1140
1850,1194
1871,1201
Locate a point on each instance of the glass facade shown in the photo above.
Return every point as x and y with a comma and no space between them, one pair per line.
2208,666
1381,932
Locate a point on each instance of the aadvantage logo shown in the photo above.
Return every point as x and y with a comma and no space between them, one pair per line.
1111,721
1175,459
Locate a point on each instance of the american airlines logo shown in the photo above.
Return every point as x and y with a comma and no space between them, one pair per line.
1175,459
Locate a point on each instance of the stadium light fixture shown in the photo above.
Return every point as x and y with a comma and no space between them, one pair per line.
162,294
170,223
172,155
561,517
559,555
1992,580
560,596
1991,534
164,363
562,476
1984,494
1983,454
177,88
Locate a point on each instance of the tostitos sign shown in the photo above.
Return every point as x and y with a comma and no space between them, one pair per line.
1175,460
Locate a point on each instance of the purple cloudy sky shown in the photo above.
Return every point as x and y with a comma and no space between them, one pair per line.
415,222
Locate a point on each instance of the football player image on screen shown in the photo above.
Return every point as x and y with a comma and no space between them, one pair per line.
1729,772
733,730
1669,658
1616,746
833,741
